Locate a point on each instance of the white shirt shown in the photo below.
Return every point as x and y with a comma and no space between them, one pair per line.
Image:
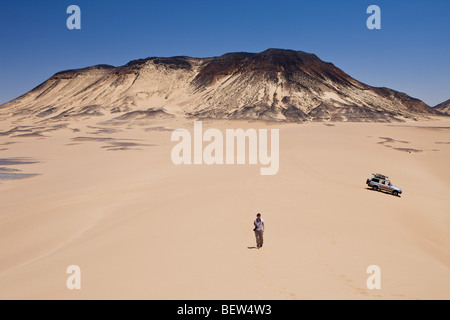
259,225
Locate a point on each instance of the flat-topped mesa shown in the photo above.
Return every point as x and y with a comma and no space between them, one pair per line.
175,63
70,74
274,85
270,62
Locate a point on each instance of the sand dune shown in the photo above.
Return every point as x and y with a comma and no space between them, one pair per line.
141,227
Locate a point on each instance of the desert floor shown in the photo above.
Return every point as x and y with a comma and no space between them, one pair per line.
109,199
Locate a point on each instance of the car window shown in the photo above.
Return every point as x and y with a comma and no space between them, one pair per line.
376,180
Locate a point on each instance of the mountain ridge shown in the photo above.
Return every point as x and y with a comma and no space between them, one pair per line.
274,85
443,107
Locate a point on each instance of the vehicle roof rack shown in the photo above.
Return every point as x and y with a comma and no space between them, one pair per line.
380,176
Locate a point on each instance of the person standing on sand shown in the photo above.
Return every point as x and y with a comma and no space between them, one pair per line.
259,230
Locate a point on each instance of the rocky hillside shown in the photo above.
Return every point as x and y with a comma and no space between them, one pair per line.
443,107
275,85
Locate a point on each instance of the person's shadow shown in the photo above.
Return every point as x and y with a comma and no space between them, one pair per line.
251,247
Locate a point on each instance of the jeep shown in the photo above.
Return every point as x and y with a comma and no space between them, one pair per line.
382,183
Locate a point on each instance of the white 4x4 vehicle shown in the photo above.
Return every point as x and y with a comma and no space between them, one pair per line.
380,182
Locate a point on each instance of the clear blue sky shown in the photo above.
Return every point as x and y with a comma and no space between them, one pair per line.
411,53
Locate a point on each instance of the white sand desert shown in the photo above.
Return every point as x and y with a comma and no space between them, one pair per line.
109,200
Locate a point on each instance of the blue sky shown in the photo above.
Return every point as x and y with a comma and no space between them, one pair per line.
410,53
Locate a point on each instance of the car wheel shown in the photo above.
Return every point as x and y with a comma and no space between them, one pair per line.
395,193
375,188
